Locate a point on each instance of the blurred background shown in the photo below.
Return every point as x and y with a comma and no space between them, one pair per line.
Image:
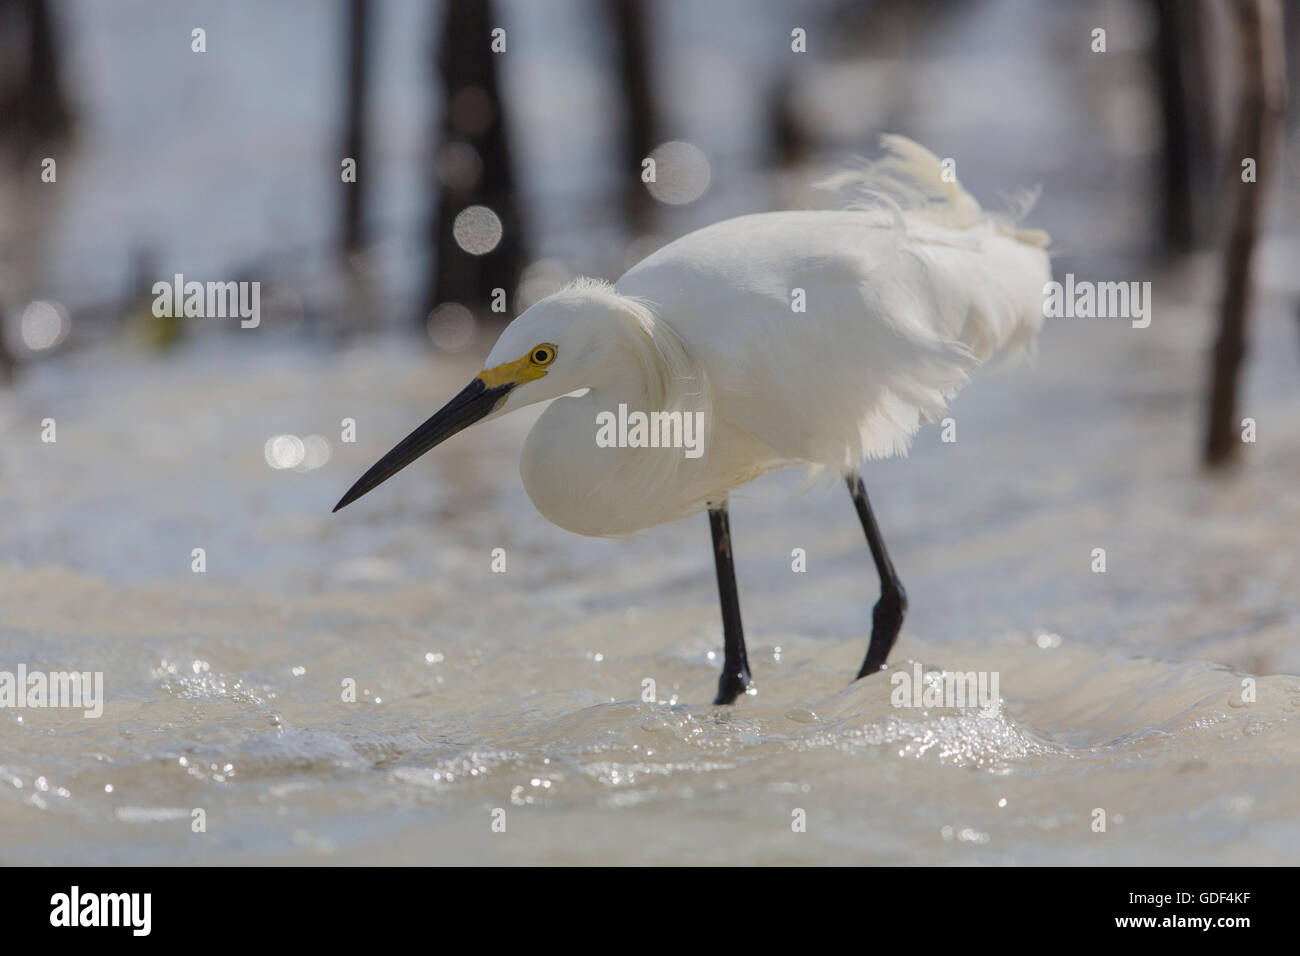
518,170
226,163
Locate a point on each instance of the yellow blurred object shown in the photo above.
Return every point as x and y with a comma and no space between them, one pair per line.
153,332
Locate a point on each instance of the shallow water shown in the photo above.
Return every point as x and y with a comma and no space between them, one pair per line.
522,691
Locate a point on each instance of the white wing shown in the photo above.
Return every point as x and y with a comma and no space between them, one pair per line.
899,307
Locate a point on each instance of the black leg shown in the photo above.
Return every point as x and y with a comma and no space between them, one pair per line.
735,667
887,616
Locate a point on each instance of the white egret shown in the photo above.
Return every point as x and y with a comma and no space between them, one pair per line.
815,338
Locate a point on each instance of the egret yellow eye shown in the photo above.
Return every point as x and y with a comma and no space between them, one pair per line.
543,355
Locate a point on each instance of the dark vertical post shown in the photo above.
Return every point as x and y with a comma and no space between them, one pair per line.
1173,62
640,125
787,138
354,123
8,365
473,117
48,109
1261,104
34,106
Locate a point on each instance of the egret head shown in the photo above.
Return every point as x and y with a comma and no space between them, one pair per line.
581,337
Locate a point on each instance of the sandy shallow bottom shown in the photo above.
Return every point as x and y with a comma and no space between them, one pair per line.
518,697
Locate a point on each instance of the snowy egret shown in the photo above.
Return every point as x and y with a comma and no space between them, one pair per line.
817,338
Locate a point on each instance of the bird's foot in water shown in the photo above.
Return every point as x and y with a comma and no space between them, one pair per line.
886,622
731,684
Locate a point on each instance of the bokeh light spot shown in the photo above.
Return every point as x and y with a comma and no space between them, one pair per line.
43,325
682,173
316,452
477,230
451,327
540,279
458,165
285,451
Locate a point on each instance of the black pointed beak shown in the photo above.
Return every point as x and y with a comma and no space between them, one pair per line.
476,400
